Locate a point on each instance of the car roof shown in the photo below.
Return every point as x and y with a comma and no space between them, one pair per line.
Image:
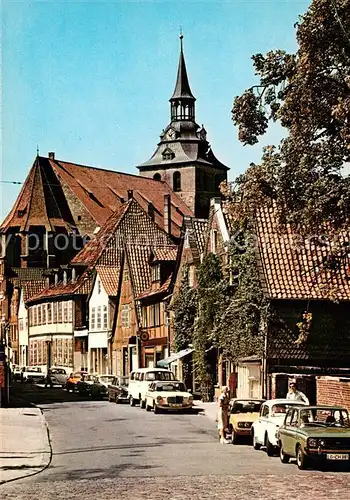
249,400
323,407
271,402
145,370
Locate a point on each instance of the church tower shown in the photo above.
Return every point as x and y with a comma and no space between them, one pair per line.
184,158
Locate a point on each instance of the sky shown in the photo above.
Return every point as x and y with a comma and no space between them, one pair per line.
91,80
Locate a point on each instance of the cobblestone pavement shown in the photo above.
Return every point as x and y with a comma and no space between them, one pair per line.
107,451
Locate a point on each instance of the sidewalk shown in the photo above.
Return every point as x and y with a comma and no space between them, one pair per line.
210,410
24,443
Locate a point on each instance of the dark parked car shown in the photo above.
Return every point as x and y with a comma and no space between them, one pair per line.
118,390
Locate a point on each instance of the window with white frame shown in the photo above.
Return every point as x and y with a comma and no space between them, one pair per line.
49,313
59,312
125,316
93,318
65,312
98,322
70,311
39,315
98,286
20,325
105,318
43,313
54,311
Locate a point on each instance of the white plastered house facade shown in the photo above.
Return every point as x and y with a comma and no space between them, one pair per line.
23,336
99,328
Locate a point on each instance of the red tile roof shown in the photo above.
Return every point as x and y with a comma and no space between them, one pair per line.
80,287
150,292
32,288
43,198
110,279
292,269
165,253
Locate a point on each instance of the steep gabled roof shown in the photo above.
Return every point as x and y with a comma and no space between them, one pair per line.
81,286
110,279
54,188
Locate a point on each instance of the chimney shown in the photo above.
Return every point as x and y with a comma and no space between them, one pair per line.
151,210
130,194
64,277
51,155
74,274
167,214
56,278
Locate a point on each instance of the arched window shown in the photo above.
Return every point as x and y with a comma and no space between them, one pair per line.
157,177
177,181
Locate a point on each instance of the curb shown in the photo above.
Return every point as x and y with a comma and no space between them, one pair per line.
44,465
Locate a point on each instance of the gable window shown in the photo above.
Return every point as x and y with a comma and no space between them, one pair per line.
154,319
126,275
98,286
157,177
99,319
125,316
93,318
105,318
168,154
144,317
214,240
155,272
177,181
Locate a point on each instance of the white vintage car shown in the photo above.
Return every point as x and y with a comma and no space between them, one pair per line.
271,417
168,395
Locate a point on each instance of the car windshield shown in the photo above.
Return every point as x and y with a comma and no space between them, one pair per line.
324,417
33,369
281,409
246,407
158,375
173,387
124,381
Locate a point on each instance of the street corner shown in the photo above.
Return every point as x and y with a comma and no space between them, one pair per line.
25,443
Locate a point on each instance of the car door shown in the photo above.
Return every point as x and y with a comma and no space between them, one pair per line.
286,432
261,424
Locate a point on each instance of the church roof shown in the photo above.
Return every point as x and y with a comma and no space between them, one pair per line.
182,86
56,192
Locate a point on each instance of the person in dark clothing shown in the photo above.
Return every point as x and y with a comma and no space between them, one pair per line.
48,380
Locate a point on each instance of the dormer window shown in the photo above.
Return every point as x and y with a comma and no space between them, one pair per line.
155,273
98,286
168,154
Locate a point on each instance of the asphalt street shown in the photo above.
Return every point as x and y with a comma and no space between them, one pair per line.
101,450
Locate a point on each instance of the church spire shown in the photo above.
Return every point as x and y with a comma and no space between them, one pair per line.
182,100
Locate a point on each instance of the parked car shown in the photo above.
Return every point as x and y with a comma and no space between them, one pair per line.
16,372
141,379
74,379
99,386
315,434
166,395
243,413
118,390
59,375
271,417
32,374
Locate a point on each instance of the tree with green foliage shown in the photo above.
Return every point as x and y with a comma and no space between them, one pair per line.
308,93
185,311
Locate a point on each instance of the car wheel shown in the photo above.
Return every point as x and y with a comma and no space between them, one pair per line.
234,437
148,407
302,459
256,445
270,450
132,401
142,403
283,456
156,409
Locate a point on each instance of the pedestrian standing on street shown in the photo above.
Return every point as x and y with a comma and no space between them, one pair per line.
295,395
48,380
223,414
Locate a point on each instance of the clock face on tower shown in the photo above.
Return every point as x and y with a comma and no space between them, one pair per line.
171,134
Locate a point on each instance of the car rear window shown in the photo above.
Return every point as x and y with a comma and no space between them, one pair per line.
158,375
